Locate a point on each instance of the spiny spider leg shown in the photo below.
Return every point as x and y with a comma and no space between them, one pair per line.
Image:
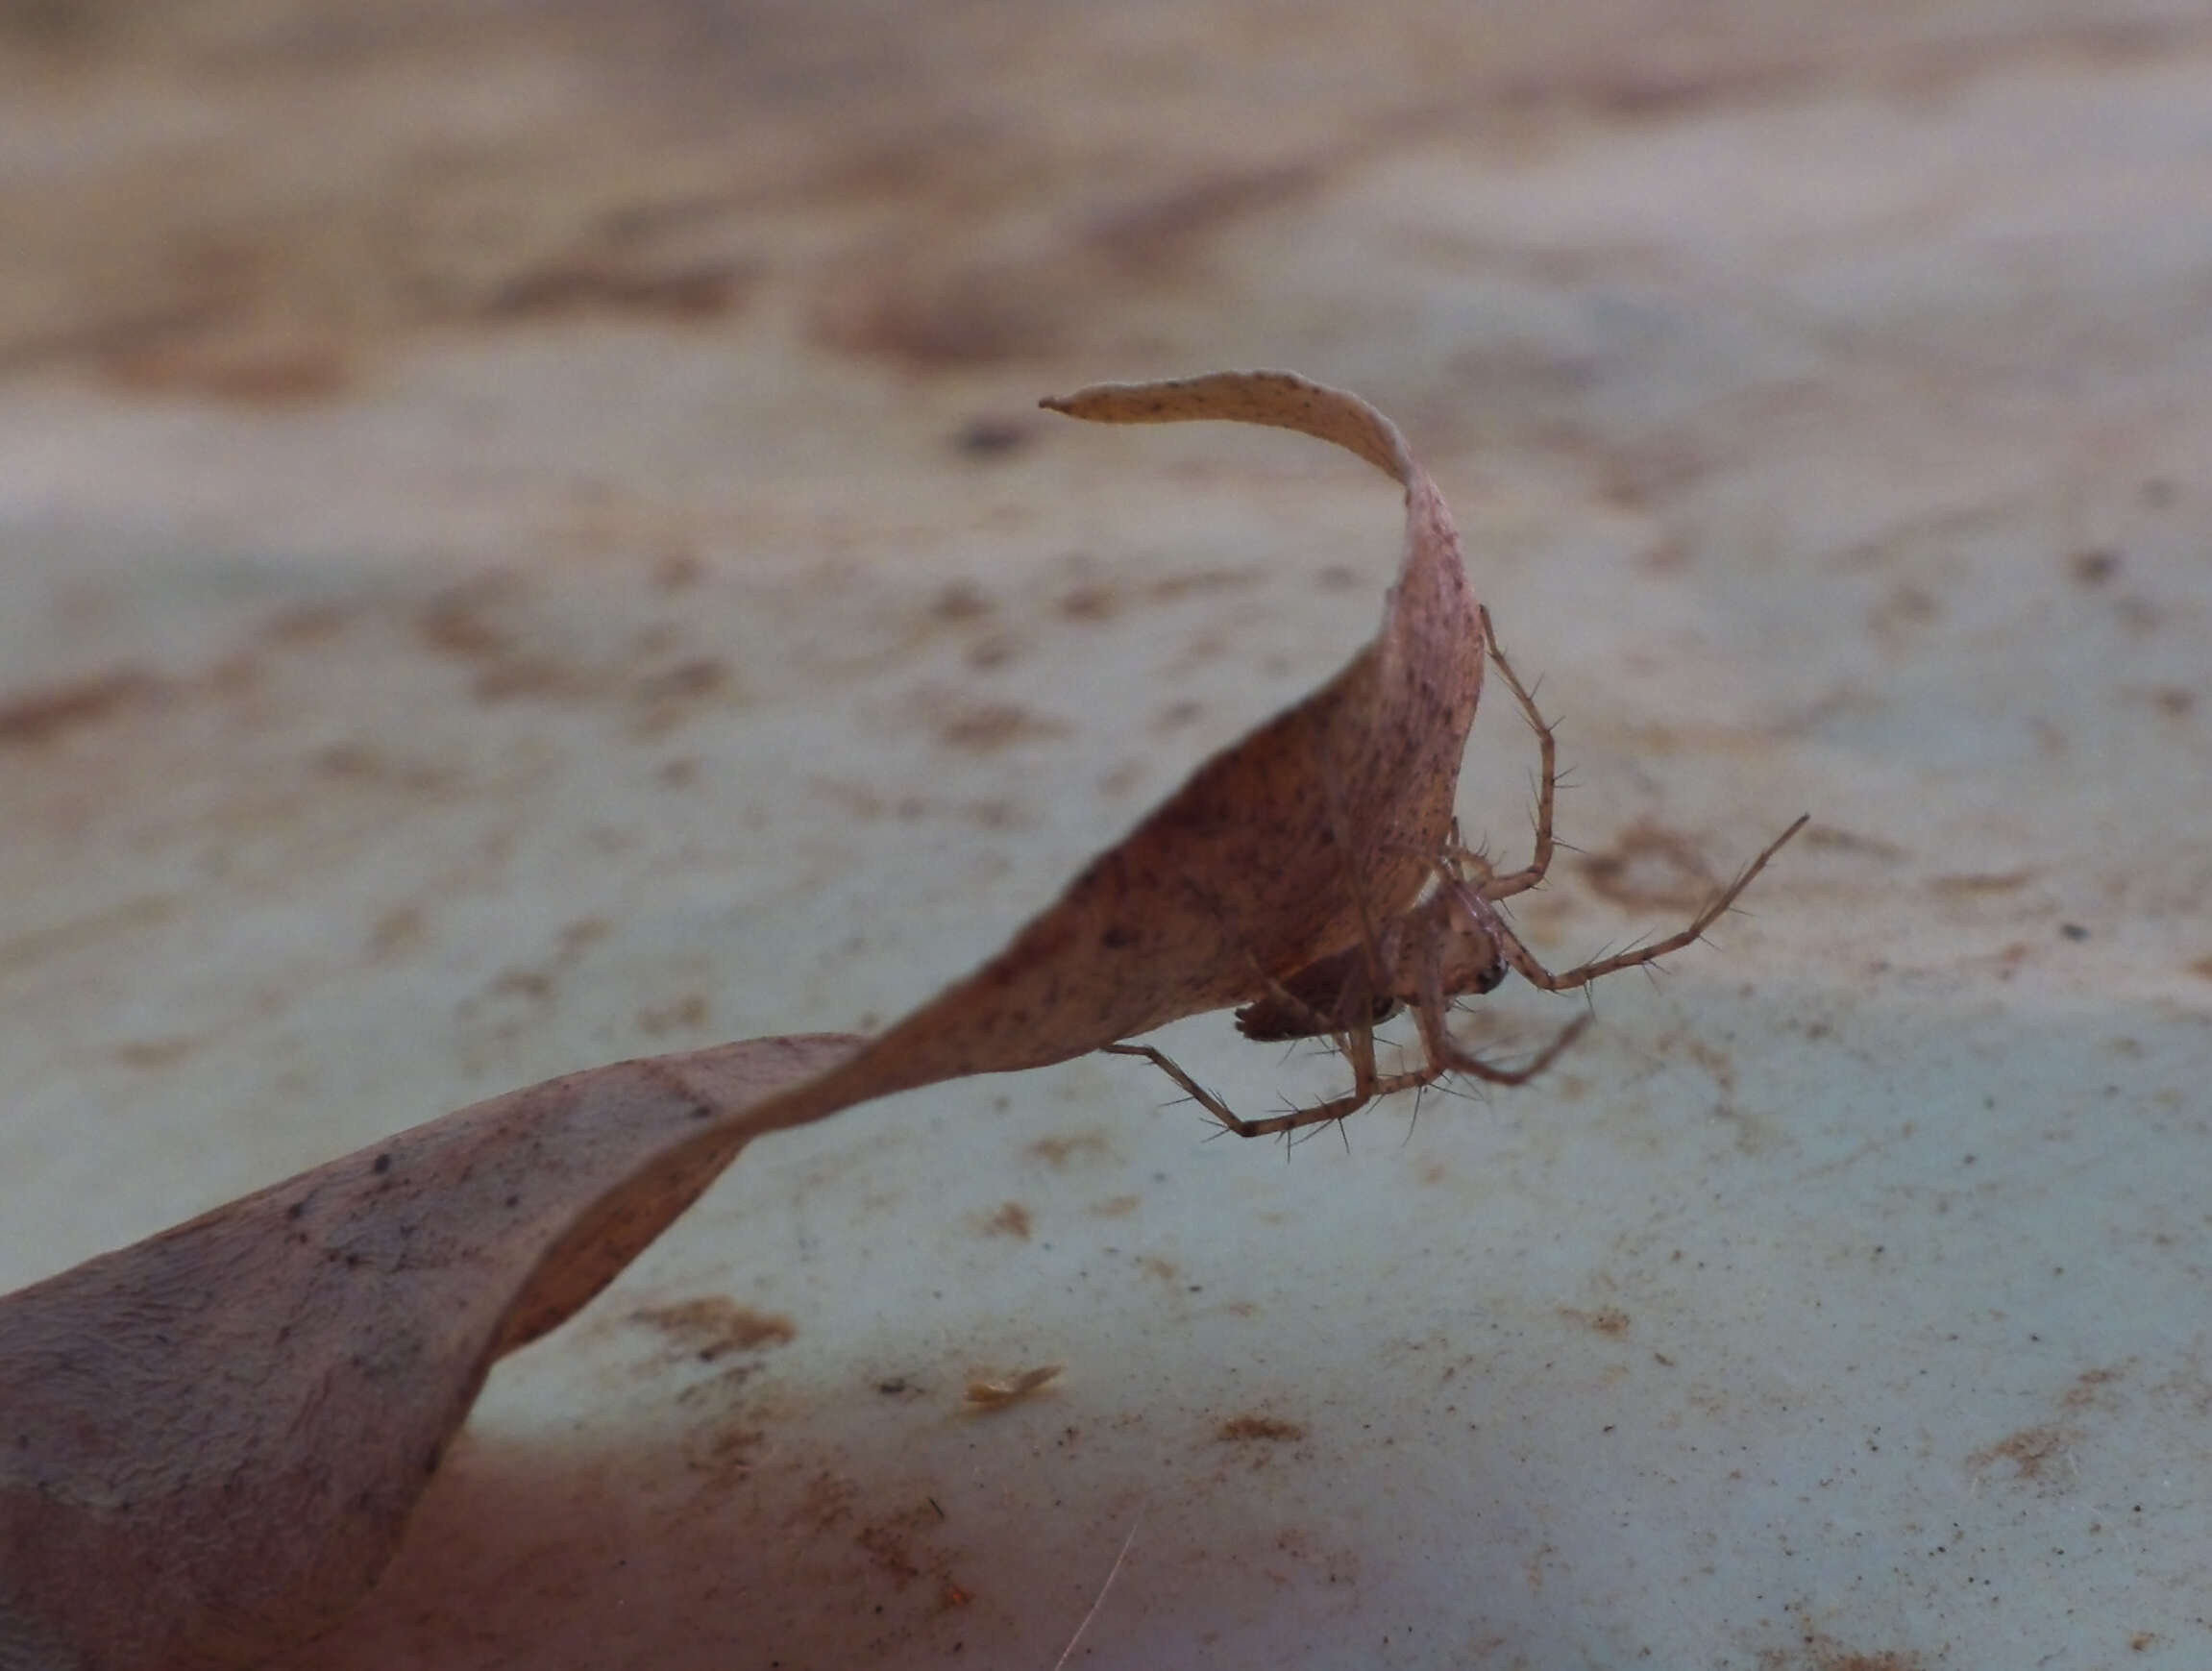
1368,1086
1192,1088
1547,783
1444,1056
1536,974
1355,982
1445,1053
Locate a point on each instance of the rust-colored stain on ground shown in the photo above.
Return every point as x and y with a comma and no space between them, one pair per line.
888,1550
2095,567
961,600
1981,882
980,727
245,370
2176,702
1609,1320
1093,601
483,626
727,1454
892,307
1258,1429
1011,1220
2028,1450
1159,228
2088,1391
1815,1652
397,929
1057,1152
41,716
897,1545
463,625
567,289
538,983
825,1502
712,1327
1844,841
359,763
1714,1061
1650,868
685,1014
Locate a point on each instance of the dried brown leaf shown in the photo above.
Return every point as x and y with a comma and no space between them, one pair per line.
210,1440
1265,858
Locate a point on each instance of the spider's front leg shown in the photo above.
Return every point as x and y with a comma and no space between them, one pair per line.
1342,997
1537,976
1367,1085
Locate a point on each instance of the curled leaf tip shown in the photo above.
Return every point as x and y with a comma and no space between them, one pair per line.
1281,399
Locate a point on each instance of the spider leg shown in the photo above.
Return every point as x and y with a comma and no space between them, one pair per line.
1547,789
1536,974
1445,1053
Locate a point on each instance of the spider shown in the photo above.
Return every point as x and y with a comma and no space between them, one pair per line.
1452,942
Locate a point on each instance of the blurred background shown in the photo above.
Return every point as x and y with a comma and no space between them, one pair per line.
526,539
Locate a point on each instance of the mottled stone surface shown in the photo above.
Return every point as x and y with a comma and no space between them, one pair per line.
525,540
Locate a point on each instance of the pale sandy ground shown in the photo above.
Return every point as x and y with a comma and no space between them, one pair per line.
525,543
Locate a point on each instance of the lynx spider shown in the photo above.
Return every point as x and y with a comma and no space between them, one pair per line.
1453,943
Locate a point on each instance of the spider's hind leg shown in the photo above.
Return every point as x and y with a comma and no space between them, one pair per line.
1495,886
